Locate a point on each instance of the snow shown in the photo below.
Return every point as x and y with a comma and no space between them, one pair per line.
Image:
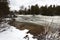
39,19
14,34
4,26
11,33
55,19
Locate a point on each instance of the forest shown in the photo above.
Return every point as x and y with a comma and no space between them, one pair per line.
51,10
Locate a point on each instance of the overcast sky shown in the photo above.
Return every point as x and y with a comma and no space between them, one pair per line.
15,4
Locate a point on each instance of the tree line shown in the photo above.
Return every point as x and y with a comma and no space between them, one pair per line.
51,10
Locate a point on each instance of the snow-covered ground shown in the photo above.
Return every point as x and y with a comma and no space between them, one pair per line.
39,19
8,32
56,19
14,34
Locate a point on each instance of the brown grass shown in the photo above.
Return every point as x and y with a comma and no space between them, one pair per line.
34,29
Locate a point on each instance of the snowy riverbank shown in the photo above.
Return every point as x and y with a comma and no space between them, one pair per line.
13,34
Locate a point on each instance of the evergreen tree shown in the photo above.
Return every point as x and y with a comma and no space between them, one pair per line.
4,9
32,9
57,10
35,9
54,10
50,10
43,10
